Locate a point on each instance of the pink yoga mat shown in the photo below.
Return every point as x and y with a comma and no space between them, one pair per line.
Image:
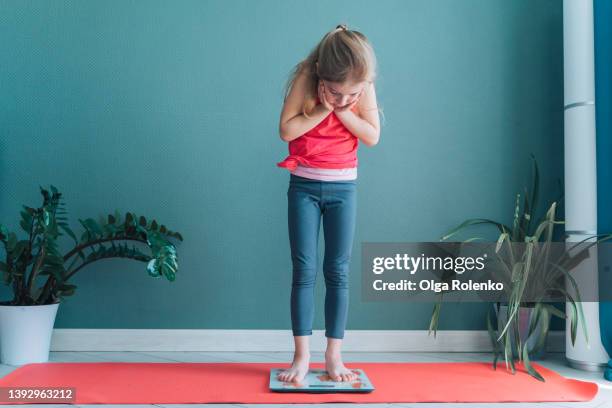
247,383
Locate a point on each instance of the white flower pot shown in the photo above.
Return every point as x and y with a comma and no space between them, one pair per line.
25,333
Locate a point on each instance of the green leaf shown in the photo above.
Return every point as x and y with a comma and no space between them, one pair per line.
494,343
94,227
26,221
69,231
529,367
45,217
3,233
474,221
553,310
152,268
536,183
435,316
543,320
11,242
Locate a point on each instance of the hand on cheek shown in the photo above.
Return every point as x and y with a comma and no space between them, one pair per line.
323,98
350,105
346,107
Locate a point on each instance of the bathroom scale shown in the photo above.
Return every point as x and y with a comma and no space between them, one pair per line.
317,380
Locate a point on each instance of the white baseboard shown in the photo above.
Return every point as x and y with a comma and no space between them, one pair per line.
277,340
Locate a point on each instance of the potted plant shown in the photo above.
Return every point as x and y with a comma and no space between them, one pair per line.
523,325
39,274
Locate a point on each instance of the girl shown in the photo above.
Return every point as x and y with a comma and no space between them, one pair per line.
330,104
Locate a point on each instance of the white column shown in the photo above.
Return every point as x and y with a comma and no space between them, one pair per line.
581,172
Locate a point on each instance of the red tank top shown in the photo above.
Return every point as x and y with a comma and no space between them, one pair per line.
328,145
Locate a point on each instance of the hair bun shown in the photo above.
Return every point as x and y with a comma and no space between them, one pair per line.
341,26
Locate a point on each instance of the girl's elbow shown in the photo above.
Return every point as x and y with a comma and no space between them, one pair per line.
284,135
374,140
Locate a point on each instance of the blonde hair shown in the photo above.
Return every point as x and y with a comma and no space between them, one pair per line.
342,55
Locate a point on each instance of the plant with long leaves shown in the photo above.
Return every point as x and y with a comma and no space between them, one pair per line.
37,256
535,262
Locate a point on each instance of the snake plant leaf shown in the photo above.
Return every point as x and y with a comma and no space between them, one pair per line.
583,253
536,184
506,238
554,311
544,323
527,269
474,221
433,323
525,216
575,305
535,320
569,277
508,354
513,307
494,343
529,367
548,223
515,221
502,276
502,237
576,314
573,316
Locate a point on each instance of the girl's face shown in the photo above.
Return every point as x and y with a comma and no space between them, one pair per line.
342,94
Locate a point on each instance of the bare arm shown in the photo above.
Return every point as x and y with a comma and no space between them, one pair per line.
293,123
366,125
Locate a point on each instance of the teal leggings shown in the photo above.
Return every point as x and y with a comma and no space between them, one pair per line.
308,201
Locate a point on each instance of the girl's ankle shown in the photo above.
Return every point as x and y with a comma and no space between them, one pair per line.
333,353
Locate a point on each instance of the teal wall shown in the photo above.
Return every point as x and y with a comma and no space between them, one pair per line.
170,109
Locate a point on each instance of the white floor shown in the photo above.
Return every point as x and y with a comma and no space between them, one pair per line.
554,361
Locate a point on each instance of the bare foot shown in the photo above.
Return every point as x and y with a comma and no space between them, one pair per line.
297,371
336,369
